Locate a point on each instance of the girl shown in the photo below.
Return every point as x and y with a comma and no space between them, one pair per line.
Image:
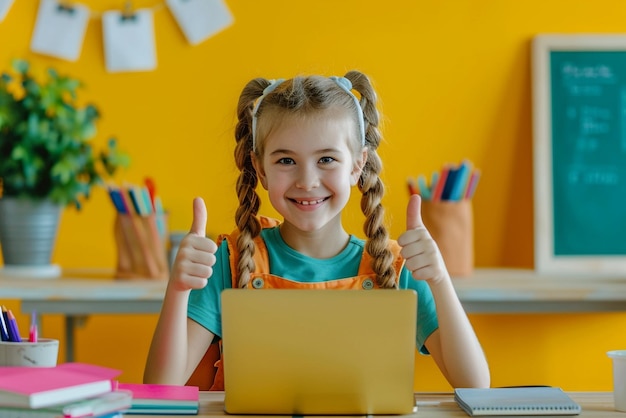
308,141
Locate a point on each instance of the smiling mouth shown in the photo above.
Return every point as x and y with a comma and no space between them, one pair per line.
309,202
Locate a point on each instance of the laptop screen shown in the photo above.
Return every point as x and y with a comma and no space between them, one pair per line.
318,351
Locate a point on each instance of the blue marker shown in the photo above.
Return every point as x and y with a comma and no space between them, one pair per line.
4,333
460,181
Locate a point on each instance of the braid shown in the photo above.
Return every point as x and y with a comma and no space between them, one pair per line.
371,186
249,201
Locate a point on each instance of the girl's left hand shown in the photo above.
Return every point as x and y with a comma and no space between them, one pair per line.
419,249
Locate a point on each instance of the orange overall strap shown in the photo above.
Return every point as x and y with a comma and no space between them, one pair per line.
261,259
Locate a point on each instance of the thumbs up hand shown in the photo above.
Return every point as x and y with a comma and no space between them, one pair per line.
196,254
420,251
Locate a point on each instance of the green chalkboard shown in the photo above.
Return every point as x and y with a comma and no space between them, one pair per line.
579,109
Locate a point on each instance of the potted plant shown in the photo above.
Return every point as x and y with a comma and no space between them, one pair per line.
47,162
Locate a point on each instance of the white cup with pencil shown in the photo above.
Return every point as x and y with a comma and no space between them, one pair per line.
448,214
30,352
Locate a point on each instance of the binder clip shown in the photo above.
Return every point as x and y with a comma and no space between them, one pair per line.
65,6
128,13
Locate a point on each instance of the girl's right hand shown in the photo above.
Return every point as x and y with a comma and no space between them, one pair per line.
196,254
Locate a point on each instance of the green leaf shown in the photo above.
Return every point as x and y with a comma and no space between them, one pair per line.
19,153
33,125
45,146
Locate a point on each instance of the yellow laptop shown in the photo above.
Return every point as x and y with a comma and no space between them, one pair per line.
318,352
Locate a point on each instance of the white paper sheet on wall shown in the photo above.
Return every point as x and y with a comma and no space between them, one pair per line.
60,30
199,19
5,5
129,41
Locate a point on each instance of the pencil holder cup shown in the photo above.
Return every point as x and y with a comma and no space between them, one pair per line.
451,224
619,378
141,246
43,353
175,239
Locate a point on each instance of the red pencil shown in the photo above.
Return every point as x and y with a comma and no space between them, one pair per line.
412,186
440,183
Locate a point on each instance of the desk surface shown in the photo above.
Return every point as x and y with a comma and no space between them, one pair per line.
486,291
594,404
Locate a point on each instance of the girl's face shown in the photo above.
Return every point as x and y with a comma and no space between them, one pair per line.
308,168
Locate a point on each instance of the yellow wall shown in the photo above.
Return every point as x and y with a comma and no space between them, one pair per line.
454,82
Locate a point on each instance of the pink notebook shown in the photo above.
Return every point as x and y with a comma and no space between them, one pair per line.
162,399
36,387
169,392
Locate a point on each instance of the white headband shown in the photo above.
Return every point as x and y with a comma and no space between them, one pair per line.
346,85
267,90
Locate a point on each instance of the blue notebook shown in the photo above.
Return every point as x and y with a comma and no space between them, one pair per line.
541,400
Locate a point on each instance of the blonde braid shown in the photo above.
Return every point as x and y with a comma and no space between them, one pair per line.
249,201
371,186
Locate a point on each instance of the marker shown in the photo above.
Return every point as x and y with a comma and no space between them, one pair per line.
10,331
471,187
461,180
4,334
412,188
151,186
133,200
33,333
158,208
433,182
440,184
14,331
425,191
148,203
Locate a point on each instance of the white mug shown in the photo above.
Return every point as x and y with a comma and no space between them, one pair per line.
619,378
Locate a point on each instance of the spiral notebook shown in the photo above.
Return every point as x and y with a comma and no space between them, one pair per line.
541,400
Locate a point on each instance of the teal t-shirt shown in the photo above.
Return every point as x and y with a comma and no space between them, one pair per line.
205,304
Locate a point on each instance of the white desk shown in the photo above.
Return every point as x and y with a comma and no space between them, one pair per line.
81,293
435,405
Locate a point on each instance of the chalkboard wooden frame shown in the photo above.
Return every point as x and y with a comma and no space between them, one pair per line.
546,258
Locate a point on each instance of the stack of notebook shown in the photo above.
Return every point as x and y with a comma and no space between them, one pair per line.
77,390
70,390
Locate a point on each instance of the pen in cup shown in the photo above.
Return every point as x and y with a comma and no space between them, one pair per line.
33,333
4,332
14,332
